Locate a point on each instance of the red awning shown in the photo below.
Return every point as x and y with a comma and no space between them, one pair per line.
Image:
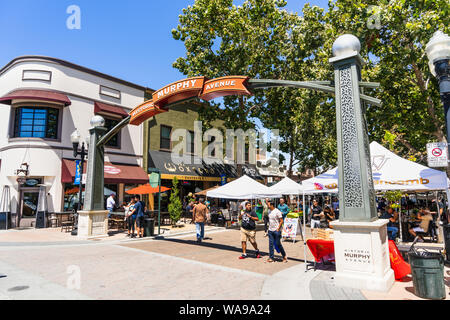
114,173
33,94
107,108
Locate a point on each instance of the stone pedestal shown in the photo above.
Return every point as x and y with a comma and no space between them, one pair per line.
362,255
92,224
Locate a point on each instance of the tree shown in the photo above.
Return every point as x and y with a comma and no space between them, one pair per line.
175,207
261,40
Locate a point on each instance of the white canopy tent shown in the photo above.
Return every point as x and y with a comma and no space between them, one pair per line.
287,186
389,171
242,188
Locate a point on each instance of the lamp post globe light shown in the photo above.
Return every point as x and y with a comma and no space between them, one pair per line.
438,52
97,121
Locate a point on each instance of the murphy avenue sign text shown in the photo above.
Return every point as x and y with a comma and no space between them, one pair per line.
200,87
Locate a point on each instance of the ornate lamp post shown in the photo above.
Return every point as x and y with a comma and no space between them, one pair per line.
360,238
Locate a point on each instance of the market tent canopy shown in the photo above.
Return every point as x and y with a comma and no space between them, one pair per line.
146,189
389,171
242,188
287,186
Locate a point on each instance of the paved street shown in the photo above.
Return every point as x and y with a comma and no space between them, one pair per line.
167,268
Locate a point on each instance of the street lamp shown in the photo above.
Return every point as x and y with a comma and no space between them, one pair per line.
75,138
438,52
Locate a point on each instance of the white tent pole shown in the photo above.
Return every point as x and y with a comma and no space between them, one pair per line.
439,219
304,232
400,220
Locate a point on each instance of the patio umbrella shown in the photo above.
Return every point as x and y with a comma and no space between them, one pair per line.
146,189
203,193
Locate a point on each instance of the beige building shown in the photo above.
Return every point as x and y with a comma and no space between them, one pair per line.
42,101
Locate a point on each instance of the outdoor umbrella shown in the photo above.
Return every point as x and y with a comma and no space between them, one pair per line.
203,193
146,189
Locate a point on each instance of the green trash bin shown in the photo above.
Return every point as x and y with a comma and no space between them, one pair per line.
149,227
259,211
427,270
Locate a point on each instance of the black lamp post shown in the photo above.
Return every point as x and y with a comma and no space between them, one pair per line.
75,138
438,52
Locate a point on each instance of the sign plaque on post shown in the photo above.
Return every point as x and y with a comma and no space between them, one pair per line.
437,154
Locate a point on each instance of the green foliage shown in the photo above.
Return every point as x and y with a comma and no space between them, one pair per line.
393,196
175,206
262,40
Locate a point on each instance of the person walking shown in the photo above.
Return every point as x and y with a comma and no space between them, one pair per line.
199,216
316,212
266,215
275,225
131,219
111,204
284,208
248,230
139,209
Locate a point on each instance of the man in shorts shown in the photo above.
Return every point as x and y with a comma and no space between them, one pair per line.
139,209
248,230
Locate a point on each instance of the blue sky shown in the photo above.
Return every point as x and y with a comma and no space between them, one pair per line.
130,40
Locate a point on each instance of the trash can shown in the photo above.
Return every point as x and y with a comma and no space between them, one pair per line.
149,227
5,220
220,221
427,269
447,242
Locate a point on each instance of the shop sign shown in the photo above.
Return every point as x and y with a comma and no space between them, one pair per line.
112,170
437,154
223,179
31,182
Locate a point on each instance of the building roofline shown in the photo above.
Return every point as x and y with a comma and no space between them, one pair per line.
74,66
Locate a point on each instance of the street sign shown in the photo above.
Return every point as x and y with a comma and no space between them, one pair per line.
437,154
154,179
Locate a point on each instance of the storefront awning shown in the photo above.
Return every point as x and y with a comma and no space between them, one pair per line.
109,109
114,173
190,170
33,94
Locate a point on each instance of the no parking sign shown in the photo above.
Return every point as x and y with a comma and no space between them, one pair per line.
437,154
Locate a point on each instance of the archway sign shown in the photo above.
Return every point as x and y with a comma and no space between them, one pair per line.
186,89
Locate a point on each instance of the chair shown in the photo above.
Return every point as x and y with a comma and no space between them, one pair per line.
69,224
53,221
430,233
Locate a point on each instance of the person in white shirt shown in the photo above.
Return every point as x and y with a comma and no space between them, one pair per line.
275,225
111,204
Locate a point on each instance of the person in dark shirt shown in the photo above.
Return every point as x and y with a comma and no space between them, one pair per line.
139,209
316,213
248,230
391,226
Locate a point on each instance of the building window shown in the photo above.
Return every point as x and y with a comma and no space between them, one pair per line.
247,157
191,142
115,141
33,122
165,138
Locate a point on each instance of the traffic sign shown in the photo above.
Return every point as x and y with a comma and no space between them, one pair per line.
437,154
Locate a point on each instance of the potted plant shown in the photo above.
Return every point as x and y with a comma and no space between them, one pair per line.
175,207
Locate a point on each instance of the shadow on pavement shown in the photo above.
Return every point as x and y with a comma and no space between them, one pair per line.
218,246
